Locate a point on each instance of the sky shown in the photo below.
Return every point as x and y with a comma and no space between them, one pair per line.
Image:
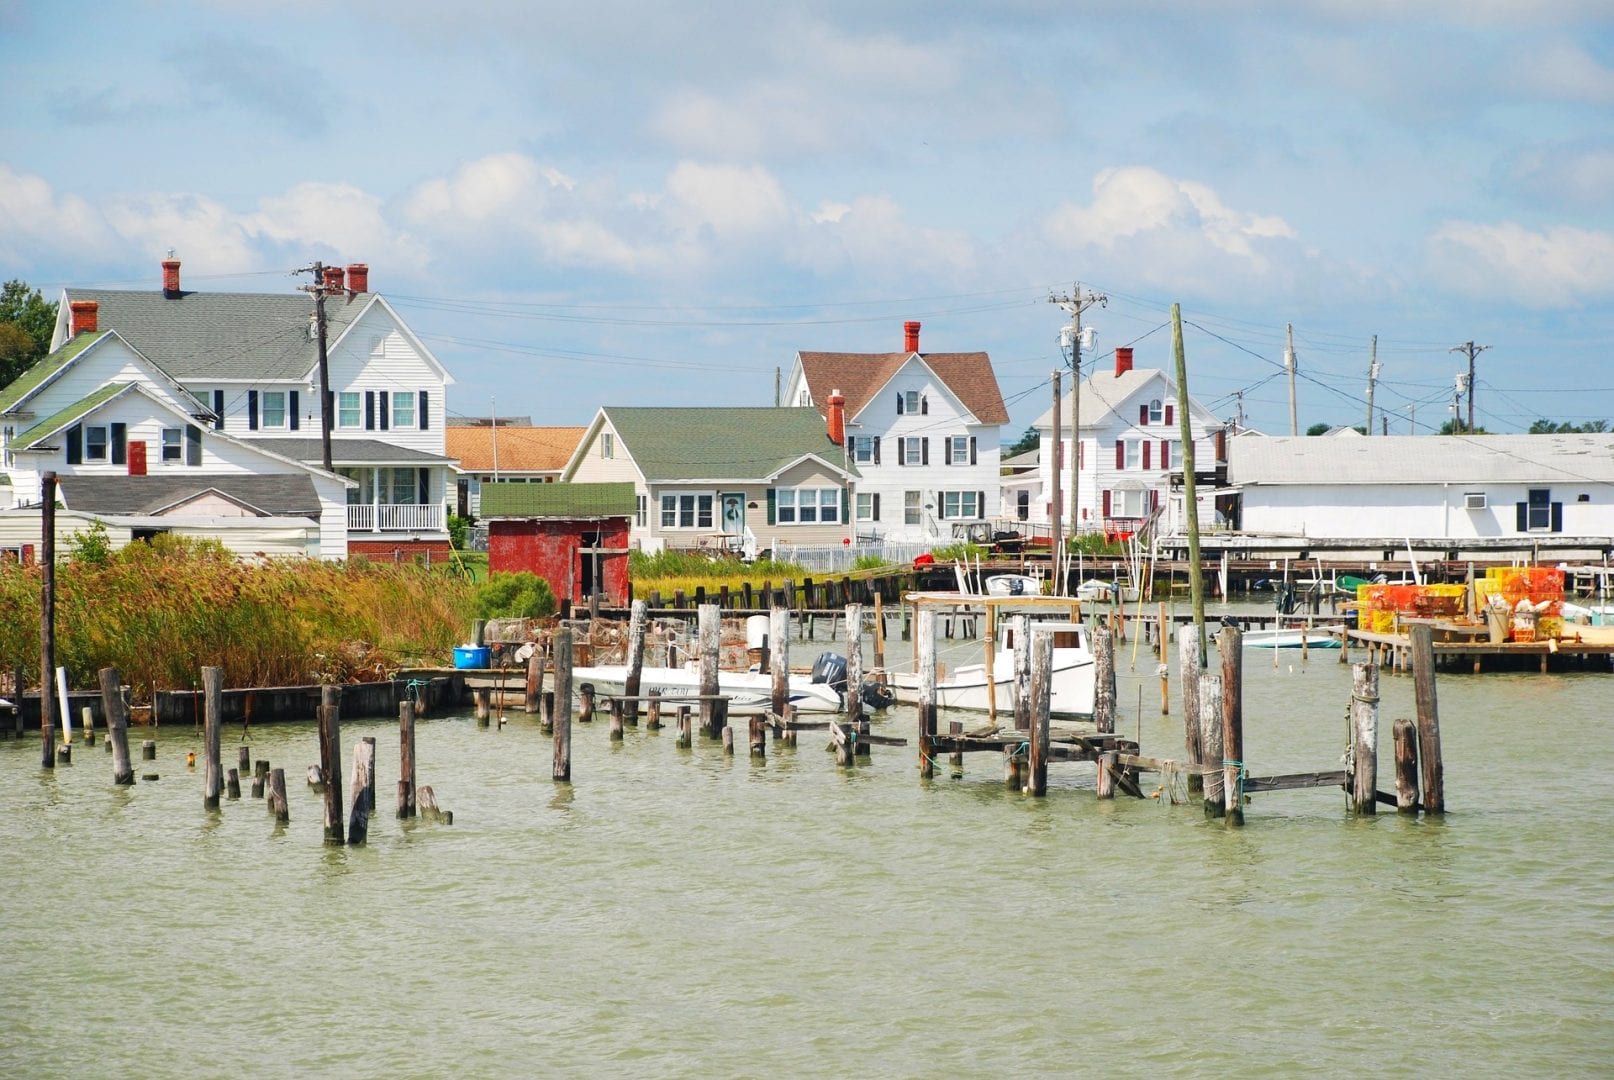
623,203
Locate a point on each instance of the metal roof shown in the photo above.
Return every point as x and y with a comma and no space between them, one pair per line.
1421,459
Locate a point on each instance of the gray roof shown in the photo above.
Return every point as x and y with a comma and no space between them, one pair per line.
203,335
276,496
1105,392
346,451
1422,459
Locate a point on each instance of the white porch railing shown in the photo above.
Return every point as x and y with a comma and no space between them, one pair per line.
395,517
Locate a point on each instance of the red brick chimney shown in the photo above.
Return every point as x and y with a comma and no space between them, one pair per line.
837,418
910,337
1123,360
334,279
84,316
171,278
358,277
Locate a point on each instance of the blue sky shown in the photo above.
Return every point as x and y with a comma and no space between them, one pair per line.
630,203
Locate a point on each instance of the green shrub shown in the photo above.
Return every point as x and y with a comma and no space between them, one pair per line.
92,546
870,561
956,552
459,530
519,595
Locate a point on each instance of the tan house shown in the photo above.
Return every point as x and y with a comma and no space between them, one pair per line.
506,454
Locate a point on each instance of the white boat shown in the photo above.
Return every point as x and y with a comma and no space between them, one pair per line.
747,691
1014,585
1588,614
1293,637
966,687
1093,590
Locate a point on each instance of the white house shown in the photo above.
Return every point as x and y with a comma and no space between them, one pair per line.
243,367
1131,445
922,429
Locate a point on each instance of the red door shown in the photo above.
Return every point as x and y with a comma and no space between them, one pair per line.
137,459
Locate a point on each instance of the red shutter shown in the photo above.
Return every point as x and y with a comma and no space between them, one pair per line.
1168,414
1165,454
137,458
1145,453
1106,505
1120,454
1143,415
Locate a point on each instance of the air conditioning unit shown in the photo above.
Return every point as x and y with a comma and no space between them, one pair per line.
1474,500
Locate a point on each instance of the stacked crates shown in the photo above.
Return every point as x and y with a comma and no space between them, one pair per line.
1536,584
1377,606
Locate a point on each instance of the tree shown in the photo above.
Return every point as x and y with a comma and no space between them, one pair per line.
23,311
1457,427
1029,441
1317,429
1549,427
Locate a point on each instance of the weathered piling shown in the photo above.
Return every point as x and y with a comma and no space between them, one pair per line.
927,693
535,680
879,631
243,756
720,718
232,783
546,717
117,726
64,754
358,824
1423,676
330,759
86,717
585,704
1210,741
955,728
406,759
840,740
779,657
1022,673
637,614
561,769
710,622
728,741
1104,680
854,662
1230,642
258,780
615,709
1364,739
148,750
212,721
685,735
1104,783
1011,767
1405,734
277,795
1042,667
482,704
759,738
47,620
1190,668
652,717
1162,630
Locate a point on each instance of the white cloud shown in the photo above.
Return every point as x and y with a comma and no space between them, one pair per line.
1562,70
1557,267
34,221
731,201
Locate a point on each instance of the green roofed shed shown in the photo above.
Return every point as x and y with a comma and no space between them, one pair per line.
505,499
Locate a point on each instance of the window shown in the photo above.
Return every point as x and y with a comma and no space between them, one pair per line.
908,402
804,398
863,449
1022,505
1156,413
958,449
5,455
1134,454
868,506
1128,503
607,445
641,510
401,485
347,409
364,494
403,410
686,511
913,451
272,410
1538,510
910,508
95,443
173,446
960,504
807,506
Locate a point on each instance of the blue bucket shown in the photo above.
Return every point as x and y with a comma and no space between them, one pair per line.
471,656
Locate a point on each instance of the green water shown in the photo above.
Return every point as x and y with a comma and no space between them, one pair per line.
677,913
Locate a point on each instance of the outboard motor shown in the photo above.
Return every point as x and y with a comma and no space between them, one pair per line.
878,696
830,668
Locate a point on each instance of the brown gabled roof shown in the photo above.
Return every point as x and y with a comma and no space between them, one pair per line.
859,376
521,449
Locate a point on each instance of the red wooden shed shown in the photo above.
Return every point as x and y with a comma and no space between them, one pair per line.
575,536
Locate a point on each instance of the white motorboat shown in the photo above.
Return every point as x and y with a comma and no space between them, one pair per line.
966,687
1294,637
1014,585
747,691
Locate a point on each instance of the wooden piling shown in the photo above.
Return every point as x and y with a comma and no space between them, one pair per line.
1364,739
955,728
1022,673
638,615
616,719
482,697
652,720
1104,785
258,780
406,759
330,760
1011,767
212,720
232,783
1042,665
779,657
759,738
1162,630
854,663
927,693
117,725
585,704
358,825
277,795
1423,674
535,680
879,630
1405,734
561,770
86,717
1104,680
685,735
1210,741
1189,670
546,714
728,741
1230,642
47,621
709,621
148,750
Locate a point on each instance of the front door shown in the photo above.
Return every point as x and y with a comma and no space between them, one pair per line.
733,504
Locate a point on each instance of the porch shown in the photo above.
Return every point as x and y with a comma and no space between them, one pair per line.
395,517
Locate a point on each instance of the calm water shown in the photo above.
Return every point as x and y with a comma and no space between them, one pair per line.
677,913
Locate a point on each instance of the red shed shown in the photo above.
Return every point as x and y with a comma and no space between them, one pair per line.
575,536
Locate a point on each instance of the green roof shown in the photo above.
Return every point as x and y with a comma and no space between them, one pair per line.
56,421
722,443
505,499
34,377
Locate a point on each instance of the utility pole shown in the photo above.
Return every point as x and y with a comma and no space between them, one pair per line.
1459,385
1054,513
1076,303
1289,364
320,292
1190,493
1472,350
1412,419
1372,377
1238,424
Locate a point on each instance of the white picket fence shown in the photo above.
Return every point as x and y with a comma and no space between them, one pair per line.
838,558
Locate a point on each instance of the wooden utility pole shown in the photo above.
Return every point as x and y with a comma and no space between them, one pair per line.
319,292
1196,572
47,620
1289,365
1055,515
1372,377
1472,350
1076,303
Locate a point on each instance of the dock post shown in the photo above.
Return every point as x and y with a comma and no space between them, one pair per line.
710,625
616,719
1022,673
585,703
148,750
1210,741
879,631
47,622
927,693
117,725
277,795
213,704
1104,680
854,664
1230,642
728,741
1042,666
232,783
406,759
1189,669
1364,757
636,627
652,718
1405,734
330,759
779,656
535,678
1423,673
562,717
243,755
759,738
546,714
483,698
1104,787
955,729
358,826
685,737
1162,630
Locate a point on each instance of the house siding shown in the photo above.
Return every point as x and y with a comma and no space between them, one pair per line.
552,549
1420,511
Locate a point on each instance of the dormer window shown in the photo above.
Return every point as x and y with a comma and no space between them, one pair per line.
911,401
1156,412
804,398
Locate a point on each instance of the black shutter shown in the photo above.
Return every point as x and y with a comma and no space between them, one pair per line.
369,410
330,408
218,410
924,404
980,504
877,449
772,509
1521,517
252,410
899,402
193,444
972,449
902,450
425,485
381,400
75,444
120,444
876,506
846,505
1558,517
292,409
424,423
924,450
